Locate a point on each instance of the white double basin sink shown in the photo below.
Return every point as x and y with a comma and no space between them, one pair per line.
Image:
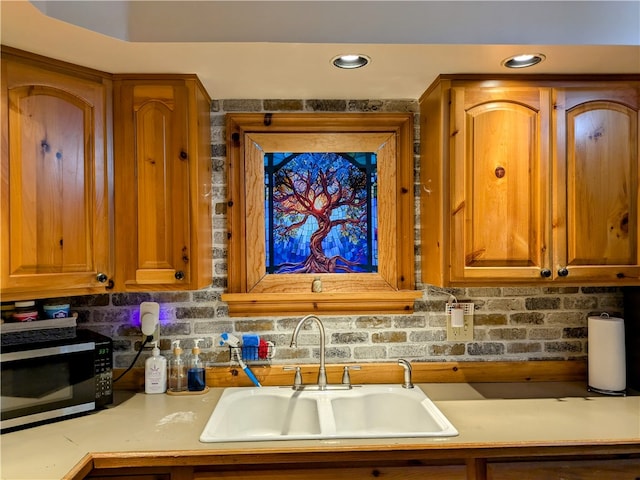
281,413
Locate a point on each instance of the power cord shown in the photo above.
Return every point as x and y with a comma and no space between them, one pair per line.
146,340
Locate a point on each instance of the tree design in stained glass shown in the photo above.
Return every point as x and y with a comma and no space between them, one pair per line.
321,212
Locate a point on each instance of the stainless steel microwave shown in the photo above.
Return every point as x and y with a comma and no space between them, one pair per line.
55,379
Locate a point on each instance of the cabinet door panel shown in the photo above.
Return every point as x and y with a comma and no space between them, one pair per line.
501,191
162,176
623,469
55,203
163,192
600,190
498,189
50,221
353,473
601,180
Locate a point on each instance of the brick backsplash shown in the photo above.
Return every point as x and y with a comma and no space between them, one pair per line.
511,323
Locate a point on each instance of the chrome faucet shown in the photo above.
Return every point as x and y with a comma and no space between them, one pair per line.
407,373
322,372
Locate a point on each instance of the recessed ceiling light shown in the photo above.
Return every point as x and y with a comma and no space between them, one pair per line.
350,61
522,61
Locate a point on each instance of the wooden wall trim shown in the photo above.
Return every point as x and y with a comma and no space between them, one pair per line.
388,372
53,63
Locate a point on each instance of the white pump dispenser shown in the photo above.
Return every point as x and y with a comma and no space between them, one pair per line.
155,372
177,370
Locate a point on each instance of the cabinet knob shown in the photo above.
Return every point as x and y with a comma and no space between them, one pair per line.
563,272
102,277
179,275
183,155
545,272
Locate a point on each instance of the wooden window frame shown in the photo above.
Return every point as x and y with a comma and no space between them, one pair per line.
253,292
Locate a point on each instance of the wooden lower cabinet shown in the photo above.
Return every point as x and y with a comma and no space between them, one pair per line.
141,473
618,469
623,466
135,476
447,472
356,473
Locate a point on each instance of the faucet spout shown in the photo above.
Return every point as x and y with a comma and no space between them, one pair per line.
322,373
407,373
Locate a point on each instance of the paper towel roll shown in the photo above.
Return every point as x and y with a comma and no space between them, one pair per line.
607,370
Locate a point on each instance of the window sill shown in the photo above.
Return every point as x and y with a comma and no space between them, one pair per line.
257,304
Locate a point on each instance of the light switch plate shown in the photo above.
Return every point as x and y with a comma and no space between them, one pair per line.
464,333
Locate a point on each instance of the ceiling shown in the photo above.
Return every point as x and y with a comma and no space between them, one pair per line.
283,49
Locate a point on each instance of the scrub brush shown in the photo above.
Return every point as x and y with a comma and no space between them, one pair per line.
233,341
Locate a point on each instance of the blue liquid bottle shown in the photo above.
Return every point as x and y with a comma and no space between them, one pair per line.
195,373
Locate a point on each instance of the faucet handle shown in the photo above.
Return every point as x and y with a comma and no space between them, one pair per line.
297,379
407,373
346,379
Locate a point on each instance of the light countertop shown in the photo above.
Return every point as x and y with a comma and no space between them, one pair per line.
537,414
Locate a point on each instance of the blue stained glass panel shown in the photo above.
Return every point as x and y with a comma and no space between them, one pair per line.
321,212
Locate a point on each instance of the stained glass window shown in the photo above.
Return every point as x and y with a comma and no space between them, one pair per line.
321,212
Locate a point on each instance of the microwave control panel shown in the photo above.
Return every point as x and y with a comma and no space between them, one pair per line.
104,372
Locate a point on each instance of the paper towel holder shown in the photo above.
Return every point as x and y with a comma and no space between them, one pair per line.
609,385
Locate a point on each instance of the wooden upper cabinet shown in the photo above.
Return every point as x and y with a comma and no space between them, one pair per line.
529,181
56,194
596,177
162,183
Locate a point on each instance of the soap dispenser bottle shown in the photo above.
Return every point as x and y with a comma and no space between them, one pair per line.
177,370
155,372
195,374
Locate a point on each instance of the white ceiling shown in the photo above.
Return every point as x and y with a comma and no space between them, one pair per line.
283,49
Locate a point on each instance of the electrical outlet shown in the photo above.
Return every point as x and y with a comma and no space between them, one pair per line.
150,321
465,332
460,334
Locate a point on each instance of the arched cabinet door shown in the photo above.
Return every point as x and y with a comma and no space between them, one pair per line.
597,183
56,212
162,177
497,183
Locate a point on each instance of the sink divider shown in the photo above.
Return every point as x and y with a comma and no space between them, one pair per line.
326,417
288,419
